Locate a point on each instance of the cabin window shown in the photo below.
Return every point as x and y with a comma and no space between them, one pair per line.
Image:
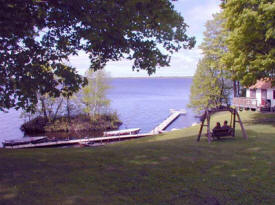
253,93
264,93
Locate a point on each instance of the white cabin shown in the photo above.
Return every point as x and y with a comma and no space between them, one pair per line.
263,92
259,96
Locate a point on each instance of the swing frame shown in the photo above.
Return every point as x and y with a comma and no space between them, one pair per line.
207,115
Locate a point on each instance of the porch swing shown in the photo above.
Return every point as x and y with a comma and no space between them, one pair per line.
220,133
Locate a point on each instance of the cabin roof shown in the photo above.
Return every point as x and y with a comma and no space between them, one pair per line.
262,84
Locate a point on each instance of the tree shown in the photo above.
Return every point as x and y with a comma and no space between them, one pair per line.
211,87
93,95
208,90
213,45
70,106
48,107
251,40
37,36
91,99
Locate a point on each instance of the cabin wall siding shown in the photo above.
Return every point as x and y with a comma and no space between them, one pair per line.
270,96
259,96
247,93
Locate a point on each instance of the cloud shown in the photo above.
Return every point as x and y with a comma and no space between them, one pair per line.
196,13
183,63
80,61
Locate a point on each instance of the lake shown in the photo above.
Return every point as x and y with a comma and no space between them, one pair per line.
140,103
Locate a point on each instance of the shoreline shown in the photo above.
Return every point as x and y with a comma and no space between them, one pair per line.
80,124
153,77
93,141
130,102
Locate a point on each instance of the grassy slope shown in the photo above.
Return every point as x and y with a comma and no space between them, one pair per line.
167,169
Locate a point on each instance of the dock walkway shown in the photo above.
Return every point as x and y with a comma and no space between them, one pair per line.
162,126
79,141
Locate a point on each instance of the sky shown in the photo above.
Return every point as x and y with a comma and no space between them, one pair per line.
183,63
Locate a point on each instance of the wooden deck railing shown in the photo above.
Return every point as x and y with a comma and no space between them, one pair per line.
244,102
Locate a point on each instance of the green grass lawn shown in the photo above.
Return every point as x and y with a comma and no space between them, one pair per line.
172,168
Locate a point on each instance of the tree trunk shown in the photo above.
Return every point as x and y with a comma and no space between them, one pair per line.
238,88
57,109
44,109
68,110
234,88
222,91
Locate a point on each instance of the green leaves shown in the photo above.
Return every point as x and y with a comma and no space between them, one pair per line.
36,34
211,87
251,39
93,95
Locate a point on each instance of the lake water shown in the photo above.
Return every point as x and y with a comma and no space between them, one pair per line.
140,103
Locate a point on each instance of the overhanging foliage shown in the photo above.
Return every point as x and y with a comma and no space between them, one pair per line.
37,37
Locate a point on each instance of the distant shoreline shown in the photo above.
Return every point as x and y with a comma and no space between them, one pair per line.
162,77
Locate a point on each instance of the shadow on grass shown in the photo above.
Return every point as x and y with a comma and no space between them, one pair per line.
177,170
261,119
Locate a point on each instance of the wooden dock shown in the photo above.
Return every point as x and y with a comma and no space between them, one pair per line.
80,141
133,131
90,141
162,126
